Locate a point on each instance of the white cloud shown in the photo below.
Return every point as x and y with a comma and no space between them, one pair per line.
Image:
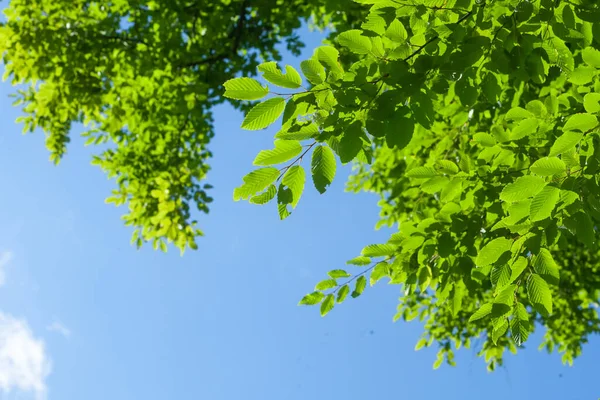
24,364
59,328
5,258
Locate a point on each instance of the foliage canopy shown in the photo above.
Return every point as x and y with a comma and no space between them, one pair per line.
475,121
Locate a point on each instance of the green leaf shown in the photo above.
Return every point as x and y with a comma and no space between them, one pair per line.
500,275
323,168
359,261
491,252
284,151
349,146
343,293
314,71
326,284
396,32
518,114
581,122
548,166
294,179
421,172
582,75
499,330
263,114
591,57
256,181
361,284
312,298
447,167
522,188
264,197
338,273
517,268
298,132
380,271
271,72
543,203
378,250
435,184
327,304
399,132
329,56
244,89
525,128
458,293
546,267
591,102
354,41
482,312
519,325
420,344
539,295
565,142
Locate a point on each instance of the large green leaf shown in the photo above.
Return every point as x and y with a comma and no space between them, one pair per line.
519,325
255,182
539,294
327,304
546,267
284,151
264,197
354,41
244,89
565,142
263,114
396,32
591,57
378,250
312,298
314,71
295,178
543,203
323,167
482,312
492,251
582,122
522,188
271,72
329,56
548,166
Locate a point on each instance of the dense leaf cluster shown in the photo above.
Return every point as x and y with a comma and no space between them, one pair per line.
142,75
477,123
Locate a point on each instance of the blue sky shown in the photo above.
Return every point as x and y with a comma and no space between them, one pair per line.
83,315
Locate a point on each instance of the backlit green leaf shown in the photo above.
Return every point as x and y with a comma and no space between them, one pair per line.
271,72
492,251
323,168
565,142
312,299
255,182
284,151
548,166
354,41
263,114
539,294
314,71
244,89
522,188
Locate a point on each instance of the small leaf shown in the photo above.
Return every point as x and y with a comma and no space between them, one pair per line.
264,197
359,261
582,122
343,293
525,128
492,251
263,114
271,72
378,250
499,330
539,295
244,89
380,271
591,102
522,188
543,203
329,56
420,344
312,299
354,41
519,325
483,311
548,166
518,114
254,182
323,168
421,172
314,71
546,267
591,57
396,32
327,305
517,268
565,142
361,284
284,151
295,178
447,167
338,273
326,284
